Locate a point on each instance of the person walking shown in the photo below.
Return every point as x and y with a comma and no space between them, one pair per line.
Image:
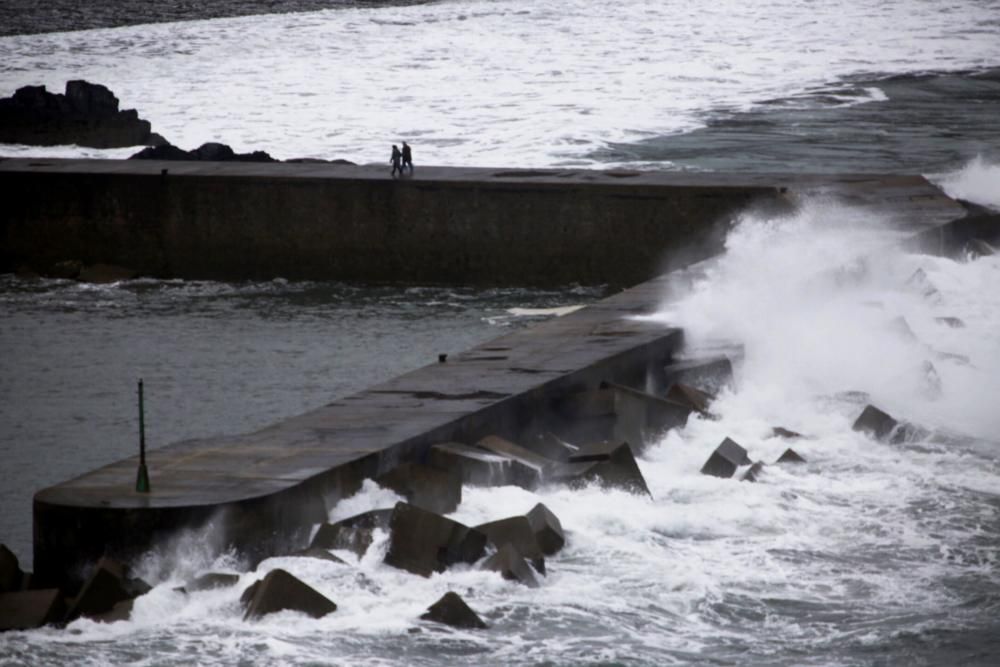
395,160
407,157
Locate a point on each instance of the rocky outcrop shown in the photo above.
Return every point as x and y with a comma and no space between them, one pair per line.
452,610
280,591
423,542
86,115
209,152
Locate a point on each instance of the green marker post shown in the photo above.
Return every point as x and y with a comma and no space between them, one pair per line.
142,478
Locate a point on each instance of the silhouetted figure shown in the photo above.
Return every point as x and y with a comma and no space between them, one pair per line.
407,157
395,160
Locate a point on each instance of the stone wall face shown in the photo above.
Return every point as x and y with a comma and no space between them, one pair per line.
224,224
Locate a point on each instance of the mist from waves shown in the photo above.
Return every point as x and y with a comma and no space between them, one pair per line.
512,82
870,553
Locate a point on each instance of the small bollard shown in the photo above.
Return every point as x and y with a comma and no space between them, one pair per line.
142,476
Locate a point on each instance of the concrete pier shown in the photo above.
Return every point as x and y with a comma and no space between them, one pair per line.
263,490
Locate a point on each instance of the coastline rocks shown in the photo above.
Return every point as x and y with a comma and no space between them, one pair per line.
429,488
874,422
547,528
611,466
280,591
423,542
452,610
86,115
517,533
353,534
726,458
24,610
511,566
207,152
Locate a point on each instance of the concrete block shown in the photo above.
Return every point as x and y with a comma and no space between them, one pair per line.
515,531
352,534
122,611
753,473
726,458
103,590
452,610
11,575
423,542
551,446
504,447
708,375
875,423
280,591
547,528
691,397
642,418
610,465
790,456
432,489
478,467
24,610
511,566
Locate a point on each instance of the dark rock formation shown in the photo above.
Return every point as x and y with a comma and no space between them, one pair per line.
10,571
208,152
690,396
547,528
726,458
515,531
612,466
781,432
708,375
353,534
105,588
790,456
511,566
452,610
875,423
23,610
280,591
423,542
482,468
753,473
86,115
432,489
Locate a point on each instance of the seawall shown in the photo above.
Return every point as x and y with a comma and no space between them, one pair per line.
237,221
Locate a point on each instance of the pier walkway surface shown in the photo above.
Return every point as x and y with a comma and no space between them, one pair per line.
264,488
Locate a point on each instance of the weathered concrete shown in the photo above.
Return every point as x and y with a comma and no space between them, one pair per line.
261,492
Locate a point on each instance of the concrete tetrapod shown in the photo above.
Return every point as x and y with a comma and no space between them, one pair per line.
432,489
280,591
105,588
515,531
611,466
511,566
423,542
452,610
354,533
692,397
726,458
547,528
790,456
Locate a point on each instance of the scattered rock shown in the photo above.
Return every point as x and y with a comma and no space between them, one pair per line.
105,273
781,432
515,531
753,473
790,456
104,589
612,466
207,152
511,566
86,115
482,468
693,398
953,322
24,610
875,422
11,575
547,528
353,534
432,489
726,458
452,610
280,591
707,375
423,542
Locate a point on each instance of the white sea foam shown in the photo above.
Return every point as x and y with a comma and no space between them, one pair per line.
505,82
978,182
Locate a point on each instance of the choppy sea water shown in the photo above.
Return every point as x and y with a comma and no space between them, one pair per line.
871,554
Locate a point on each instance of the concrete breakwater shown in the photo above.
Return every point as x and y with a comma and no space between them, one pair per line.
262,491
227,221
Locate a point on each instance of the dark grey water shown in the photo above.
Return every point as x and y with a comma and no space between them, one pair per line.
215,358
